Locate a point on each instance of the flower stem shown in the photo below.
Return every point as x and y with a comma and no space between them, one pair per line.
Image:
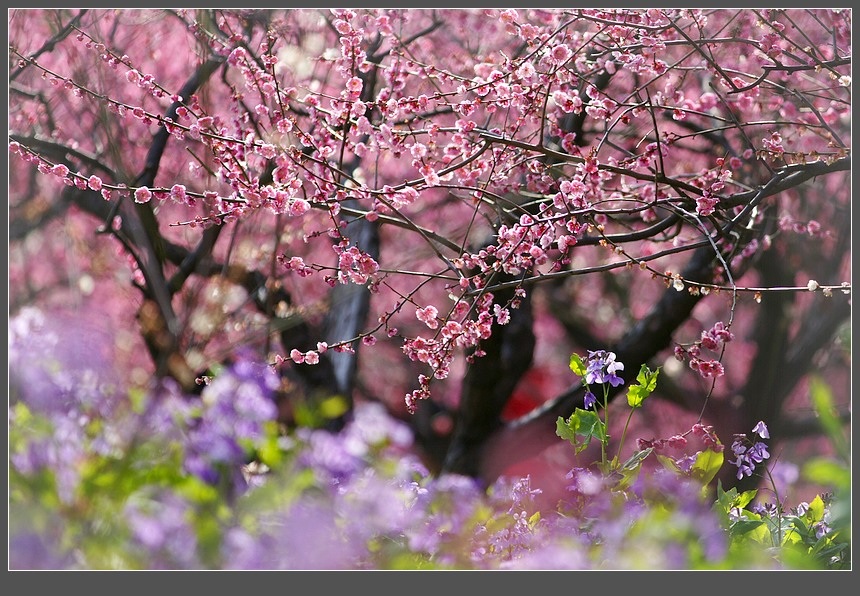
624,432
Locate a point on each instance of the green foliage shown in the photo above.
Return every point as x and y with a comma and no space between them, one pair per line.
577,365
582,423
646,383
316,415
814,535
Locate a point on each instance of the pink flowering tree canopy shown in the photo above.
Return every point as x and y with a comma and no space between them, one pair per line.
434,208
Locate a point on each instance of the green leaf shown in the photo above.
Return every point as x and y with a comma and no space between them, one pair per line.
824,471
590,424
138,398
577,365
706,466
582,423
566,429
725,499
825,409
646,383
270,452
22,413
746,525
815,513
629,471
333,406
316,414
745,498
756,528
668,463
637,458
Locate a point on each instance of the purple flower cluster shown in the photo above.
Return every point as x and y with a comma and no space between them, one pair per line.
357,499
161,529
59,365
55,373
748,453
235,407
335,458
661,522
601,367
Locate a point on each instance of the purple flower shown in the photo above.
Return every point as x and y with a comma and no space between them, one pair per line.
761,429
758,453
590,399
33,550
602,367
304,536
330,457
765,509
161,527
746,456
821,528
785,474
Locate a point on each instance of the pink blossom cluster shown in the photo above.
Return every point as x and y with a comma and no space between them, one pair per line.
354,265
552,133
712,339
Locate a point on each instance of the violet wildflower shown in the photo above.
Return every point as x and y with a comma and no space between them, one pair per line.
590,399
235,408
748,454
821,529
761,430
35,550
303,536
161,528
602,367
766,509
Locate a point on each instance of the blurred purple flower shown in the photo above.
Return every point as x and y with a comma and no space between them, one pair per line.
33,550
233,411
161,528
60,364
306,536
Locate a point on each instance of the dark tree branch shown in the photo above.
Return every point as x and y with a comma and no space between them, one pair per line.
489,382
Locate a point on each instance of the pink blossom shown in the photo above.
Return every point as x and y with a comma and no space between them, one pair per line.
677,442
706,204
142,195
560,54
177,192
94,182
342,27
383,25
299,207
503,315
60,170
354,85
427,315
508,16
707,368
431,178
